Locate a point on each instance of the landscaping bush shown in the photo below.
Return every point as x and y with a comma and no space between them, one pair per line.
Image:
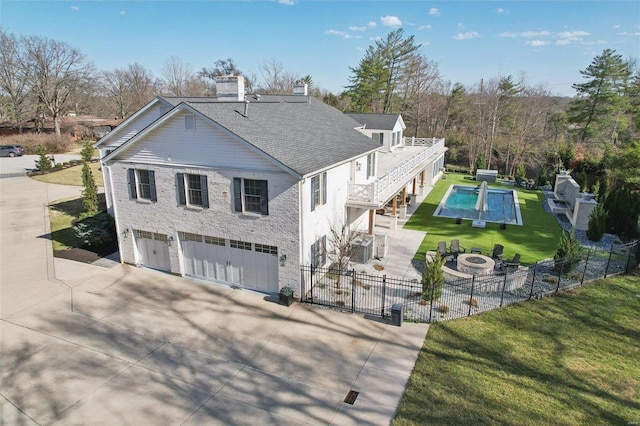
623,206
43,162
568,254
90,191
433,278
87,151
97,230
597,223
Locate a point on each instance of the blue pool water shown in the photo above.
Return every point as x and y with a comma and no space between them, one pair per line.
460,201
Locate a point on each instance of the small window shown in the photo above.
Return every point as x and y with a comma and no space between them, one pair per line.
142,184
261,248
215,241
318,190
378,137
251,195
242,245
190,122
371,165
319,252
187,236
144,234
192,190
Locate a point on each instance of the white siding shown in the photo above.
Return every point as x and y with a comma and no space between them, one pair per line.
208,146
118,136
333,214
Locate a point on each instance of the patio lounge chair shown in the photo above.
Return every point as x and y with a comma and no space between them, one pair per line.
498,252
455,248
513,263
442,249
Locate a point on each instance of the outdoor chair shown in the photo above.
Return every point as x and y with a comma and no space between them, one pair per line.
513,263
455,248
498,252
442,249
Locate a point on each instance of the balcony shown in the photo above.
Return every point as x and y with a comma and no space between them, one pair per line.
396,169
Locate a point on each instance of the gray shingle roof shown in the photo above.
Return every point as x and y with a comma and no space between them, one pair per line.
376,121
304,136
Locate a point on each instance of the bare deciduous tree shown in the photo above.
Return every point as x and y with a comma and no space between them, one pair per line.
179,78
57,71
14,76
275,79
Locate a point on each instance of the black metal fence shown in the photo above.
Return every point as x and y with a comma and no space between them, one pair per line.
455,298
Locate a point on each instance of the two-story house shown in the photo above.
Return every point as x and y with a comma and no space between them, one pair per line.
244,189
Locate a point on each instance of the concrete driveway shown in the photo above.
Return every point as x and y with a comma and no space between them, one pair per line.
19,166
83,344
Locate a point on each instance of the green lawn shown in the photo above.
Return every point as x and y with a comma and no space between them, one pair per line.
71,176
537,239
566,360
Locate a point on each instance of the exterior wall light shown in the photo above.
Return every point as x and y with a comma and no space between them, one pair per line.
283,260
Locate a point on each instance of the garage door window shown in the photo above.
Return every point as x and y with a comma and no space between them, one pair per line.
242,245
261,248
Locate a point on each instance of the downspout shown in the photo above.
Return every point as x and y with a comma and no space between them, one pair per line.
301,239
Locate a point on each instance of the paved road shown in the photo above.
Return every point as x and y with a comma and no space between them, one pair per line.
142,347
19,166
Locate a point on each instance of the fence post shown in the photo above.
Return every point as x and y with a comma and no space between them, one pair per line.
311,283
586,264
504,285
353,290
629,251
560,274
473,281
533,280
384,290
606,270
433,292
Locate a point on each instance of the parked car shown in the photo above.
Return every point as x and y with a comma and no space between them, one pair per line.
11,151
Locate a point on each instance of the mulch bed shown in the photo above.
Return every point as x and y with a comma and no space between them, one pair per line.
84,255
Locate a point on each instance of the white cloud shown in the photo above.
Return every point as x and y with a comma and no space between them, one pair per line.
287,2
460,26
354,28
537,43
526,34
615,27
466,36
434,11
391,21
123,12
425,27
376,38
572,34
342,34
75,8
499,10
372,24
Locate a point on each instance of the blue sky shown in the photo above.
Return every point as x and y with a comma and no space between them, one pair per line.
549,40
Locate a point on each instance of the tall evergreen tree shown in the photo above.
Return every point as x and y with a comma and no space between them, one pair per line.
602,101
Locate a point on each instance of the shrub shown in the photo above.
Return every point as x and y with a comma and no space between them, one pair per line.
568,254
97,230
521,175
43,162
31,141
597,223
87,151
90,191
443,309
433,278
623,206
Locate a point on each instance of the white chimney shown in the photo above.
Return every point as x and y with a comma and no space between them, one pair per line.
300,88
230,88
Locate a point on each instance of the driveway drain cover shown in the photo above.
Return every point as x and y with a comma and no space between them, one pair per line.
351,397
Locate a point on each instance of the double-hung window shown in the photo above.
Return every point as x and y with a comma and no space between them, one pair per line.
251,196
319,252
378,137
142,184
192,190
318,190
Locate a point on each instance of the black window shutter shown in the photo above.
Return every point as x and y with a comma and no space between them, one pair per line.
131,180
313,192
205,191
324,188
152,185
314,254
237,194
182,198
264,197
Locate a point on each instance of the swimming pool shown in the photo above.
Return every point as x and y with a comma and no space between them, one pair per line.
460,201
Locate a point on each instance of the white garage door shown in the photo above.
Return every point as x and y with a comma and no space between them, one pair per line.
240,263
153,251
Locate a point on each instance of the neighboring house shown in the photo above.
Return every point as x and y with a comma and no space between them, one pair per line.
245,190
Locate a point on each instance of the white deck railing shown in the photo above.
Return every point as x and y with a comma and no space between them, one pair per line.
384,187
